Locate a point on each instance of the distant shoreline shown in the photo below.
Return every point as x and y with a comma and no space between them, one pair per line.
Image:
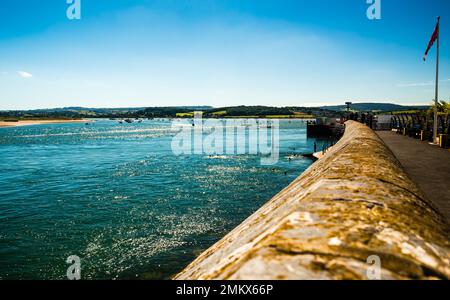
21,123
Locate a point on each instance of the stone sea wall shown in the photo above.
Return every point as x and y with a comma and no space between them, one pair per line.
354,203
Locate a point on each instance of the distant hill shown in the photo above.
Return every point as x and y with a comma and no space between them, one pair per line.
171,112
375,107
109,110
270,111
84,112
223,112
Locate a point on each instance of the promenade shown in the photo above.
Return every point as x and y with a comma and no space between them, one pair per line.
428,166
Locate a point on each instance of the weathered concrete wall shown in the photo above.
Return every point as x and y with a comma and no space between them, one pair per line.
353,203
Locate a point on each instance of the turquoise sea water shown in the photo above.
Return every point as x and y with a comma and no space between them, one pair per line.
116,196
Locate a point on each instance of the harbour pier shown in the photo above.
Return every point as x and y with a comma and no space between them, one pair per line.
353,206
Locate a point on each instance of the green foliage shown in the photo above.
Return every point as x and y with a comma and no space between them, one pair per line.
172,112
442,107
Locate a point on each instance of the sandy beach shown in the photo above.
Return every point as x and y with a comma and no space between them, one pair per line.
39,122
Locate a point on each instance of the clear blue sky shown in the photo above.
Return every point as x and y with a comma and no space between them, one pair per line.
218,52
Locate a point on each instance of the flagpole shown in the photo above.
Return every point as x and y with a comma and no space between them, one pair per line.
436,99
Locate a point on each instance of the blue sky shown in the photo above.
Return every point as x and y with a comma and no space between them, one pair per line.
126,53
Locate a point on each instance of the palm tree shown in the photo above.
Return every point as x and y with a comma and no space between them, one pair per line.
443,108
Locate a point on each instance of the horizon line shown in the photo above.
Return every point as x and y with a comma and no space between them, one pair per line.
213,107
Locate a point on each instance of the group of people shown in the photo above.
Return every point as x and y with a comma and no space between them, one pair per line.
365,118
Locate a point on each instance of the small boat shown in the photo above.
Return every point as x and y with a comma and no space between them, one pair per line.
129,121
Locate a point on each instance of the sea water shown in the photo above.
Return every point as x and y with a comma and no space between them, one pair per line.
117,197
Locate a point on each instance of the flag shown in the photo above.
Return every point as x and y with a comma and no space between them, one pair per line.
432,40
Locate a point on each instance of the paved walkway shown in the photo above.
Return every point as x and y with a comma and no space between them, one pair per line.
427,165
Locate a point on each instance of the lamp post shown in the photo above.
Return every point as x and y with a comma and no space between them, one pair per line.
348,108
